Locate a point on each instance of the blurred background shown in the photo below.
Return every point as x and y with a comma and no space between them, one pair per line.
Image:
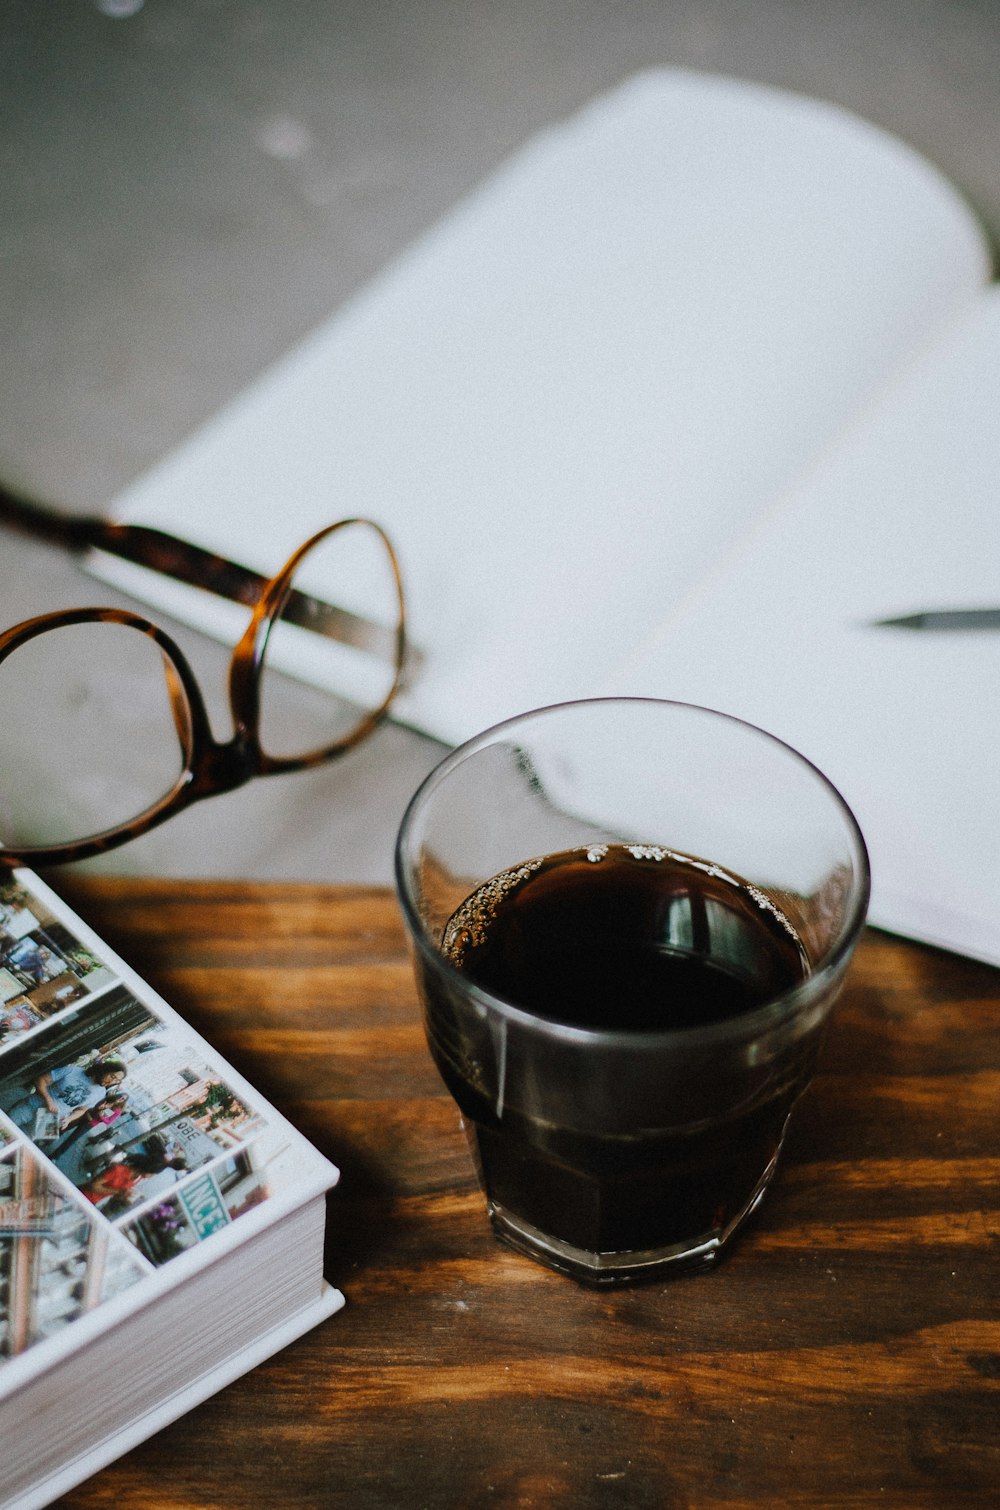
190,186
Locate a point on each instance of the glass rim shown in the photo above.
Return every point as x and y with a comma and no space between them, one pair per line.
778,1009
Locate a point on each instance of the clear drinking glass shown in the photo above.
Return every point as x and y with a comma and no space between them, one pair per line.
626,1027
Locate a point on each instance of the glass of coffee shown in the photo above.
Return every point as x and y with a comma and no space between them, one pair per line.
629,922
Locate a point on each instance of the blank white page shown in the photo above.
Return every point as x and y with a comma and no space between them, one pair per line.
904,517
567,398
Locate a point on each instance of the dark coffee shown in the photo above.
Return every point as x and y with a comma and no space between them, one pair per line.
629,937
637,940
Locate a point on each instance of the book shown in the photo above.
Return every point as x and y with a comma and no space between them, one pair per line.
694,388
161,1225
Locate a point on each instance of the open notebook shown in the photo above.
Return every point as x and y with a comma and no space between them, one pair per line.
693,387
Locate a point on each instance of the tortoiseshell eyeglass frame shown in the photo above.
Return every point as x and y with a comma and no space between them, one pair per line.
211,767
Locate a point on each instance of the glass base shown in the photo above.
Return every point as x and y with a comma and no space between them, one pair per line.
623,1268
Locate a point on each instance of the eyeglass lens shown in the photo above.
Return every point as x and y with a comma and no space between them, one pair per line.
334,685
92,703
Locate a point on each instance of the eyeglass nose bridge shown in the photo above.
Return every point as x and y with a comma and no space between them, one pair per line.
220,768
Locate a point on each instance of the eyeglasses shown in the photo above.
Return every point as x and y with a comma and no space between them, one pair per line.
109,707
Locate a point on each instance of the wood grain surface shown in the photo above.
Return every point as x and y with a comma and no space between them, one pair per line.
847,1354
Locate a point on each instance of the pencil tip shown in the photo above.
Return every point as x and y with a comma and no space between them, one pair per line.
909,621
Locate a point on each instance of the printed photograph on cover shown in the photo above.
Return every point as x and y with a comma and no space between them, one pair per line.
57,1259
120,1102
217,1196
44,967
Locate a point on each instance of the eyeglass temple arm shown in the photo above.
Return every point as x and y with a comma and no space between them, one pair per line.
184,562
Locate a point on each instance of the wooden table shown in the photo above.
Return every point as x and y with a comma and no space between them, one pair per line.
846,1354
